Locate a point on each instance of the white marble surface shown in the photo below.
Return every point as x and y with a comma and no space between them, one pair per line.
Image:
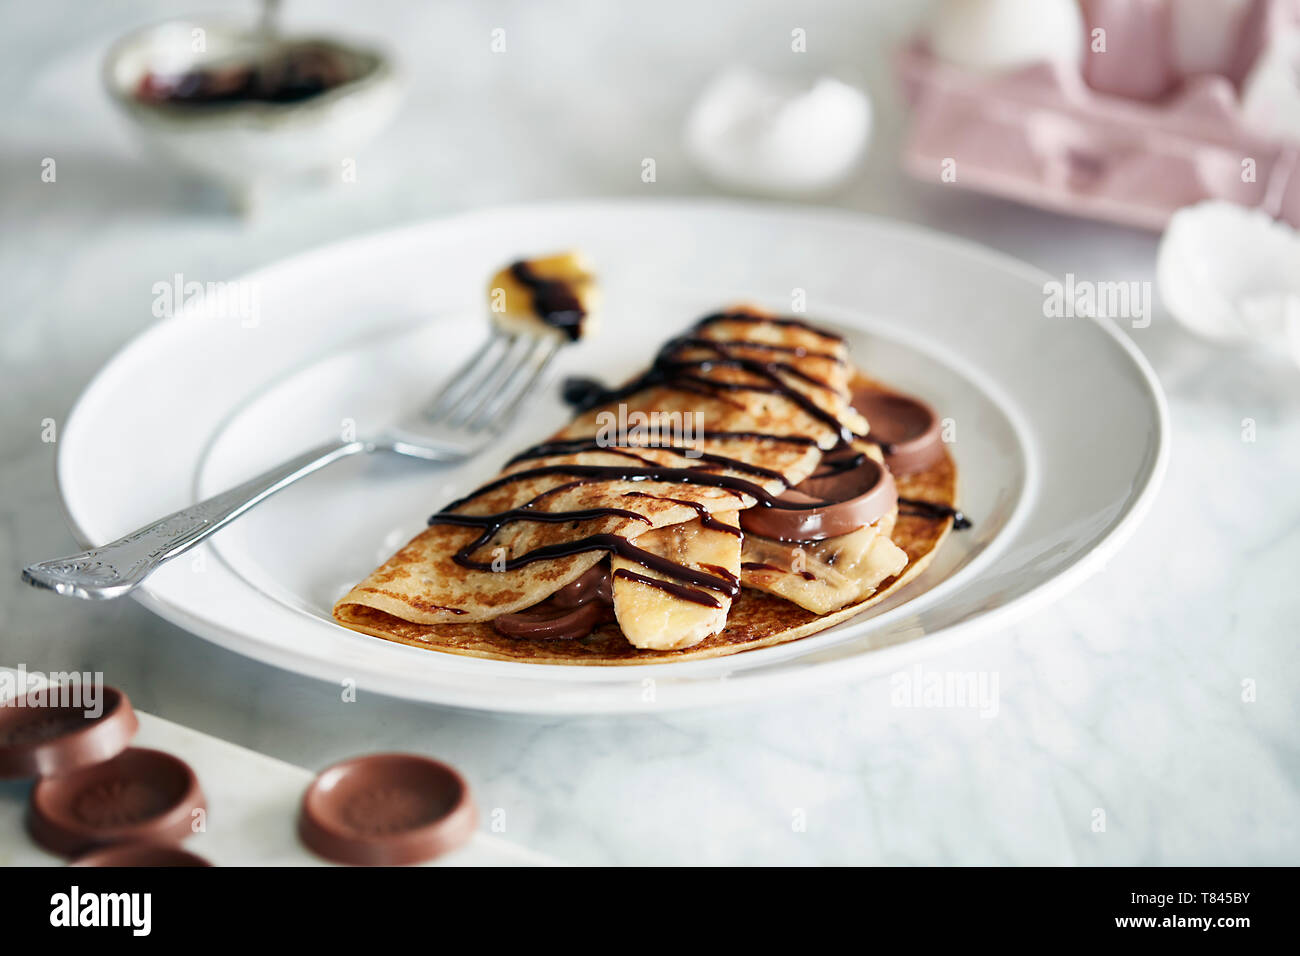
1126,696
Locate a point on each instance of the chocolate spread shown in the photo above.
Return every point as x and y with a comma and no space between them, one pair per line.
569,614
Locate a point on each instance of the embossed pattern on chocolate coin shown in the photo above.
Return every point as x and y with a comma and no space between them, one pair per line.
384,810
118,803
139,795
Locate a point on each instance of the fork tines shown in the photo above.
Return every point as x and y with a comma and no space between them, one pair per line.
488,387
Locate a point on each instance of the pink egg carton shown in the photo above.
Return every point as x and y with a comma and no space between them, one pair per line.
1052,136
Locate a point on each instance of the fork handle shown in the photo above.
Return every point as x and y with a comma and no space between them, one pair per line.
117,567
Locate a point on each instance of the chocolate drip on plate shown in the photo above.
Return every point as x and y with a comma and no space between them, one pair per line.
935,511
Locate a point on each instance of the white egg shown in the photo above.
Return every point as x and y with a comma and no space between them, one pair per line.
759,134
1003,34
1232,275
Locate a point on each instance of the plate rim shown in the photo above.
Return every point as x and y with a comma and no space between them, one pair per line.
777,684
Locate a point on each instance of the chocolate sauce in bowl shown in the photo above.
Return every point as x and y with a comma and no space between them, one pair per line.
293,73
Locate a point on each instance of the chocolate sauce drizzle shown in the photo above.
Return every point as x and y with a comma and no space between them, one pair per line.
555,301
693,595
720,571
449,610
780,322
572,446
673,373
595,542
836,464
707,518
797,351
668,371
590,473
934,511
581,392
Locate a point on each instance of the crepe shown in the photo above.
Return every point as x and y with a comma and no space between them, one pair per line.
425,597
424,584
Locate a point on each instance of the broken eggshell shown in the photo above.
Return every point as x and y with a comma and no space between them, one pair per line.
1232,275
760,134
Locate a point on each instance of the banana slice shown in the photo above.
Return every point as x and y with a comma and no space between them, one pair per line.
555,295
652,616
825,576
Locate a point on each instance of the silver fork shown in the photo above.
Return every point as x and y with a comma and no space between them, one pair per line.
471,409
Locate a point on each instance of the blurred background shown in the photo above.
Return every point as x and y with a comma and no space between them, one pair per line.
500,102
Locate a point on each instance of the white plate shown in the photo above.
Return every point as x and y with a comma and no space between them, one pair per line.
1060,432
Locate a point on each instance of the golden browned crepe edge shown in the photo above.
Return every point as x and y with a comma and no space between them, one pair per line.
778,619
699,652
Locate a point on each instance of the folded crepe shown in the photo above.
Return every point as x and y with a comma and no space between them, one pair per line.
619,539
